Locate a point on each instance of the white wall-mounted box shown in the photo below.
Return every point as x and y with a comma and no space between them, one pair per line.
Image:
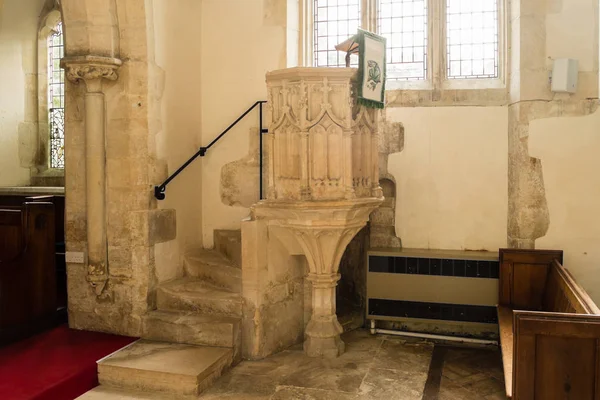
564,75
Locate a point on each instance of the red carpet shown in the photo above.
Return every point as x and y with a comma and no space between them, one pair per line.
55,365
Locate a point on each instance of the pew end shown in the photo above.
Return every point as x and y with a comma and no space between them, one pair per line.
549,329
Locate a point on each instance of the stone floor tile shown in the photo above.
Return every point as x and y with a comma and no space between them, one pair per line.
327,375
295,393
486,387
405,356
239,386
387,384
452,391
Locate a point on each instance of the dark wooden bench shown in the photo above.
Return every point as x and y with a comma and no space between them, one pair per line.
549,329
27,270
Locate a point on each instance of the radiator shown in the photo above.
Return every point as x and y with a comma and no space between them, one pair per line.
434,291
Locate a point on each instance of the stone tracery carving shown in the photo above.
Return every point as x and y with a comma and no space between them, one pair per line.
322,106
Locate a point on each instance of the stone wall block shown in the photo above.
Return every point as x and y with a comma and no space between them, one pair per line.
118,173
133,43
75,226
138,225
119,261
131,13
135,76
138,106
28,143
159,171
383,216
103,40
162,225
118,106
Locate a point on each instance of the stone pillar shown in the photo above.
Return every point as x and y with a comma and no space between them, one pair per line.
324,183
92,70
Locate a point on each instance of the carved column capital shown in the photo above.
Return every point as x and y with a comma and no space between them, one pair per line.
90,68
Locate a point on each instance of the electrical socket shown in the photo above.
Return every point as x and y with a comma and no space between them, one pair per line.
75,257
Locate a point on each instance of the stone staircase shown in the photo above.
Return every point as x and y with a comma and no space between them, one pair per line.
192,336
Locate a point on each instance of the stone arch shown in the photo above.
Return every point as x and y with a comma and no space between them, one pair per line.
92,26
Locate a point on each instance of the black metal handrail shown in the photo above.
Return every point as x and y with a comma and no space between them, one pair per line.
159,191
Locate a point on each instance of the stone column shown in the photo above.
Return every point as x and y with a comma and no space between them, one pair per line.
93,70
323,199
324,247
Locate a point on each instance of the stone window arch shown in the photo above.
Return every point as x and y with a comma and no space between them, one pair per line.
51,96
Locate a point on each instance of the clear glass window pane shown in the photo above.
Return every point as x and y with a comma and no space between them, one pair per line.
404,24
472,39
335,21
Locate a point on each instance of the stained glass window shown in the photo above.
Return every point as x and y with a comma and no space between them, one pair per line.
404,24
472,39
335,21
56,98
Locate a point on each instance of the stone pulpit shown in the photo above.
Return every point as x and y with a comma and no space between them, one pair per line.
323,180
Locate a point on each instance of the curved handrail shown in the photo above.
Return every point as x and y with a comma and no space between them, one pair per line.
159,191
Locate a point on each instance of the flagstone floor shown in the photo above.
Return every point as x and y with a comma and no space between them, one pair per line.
373,368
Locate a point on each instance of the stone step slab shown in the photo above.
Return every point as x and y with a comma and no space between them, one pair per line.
192,328
229,243
163,368
213,268
196,295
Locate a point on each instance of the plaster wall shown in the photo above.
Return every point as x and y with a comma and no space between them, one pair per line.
451,177
237,51
568,148
177,57
18,89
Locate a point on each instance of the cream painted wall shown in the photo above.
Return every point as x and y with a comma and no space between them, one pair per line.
568,148
241,40
451,177
18,54
177,37
571,26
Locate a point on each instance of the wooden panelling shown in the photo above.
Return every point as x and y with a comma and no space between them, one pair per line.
11,234
523,277
28,280
567,365
530,256
505,283
555,356
549,329
529,281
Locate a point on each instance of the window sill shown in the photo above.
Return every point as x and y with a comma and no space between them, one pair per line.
474,93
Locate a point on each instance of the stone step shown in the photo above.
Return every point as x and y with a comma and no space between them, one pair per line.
212,267
104,392
192,328
163,368
192,294
229,243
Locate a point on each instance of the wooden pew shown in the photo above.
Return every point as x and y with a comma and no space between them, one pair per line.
549,329
27,270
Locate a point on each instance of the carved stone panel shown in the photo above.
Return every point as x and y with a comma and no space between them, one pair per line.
324,144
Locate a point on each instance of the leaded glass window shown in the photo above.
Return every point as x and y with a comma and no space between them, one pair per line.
404,24
334,22
434,41
472,36
56,97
